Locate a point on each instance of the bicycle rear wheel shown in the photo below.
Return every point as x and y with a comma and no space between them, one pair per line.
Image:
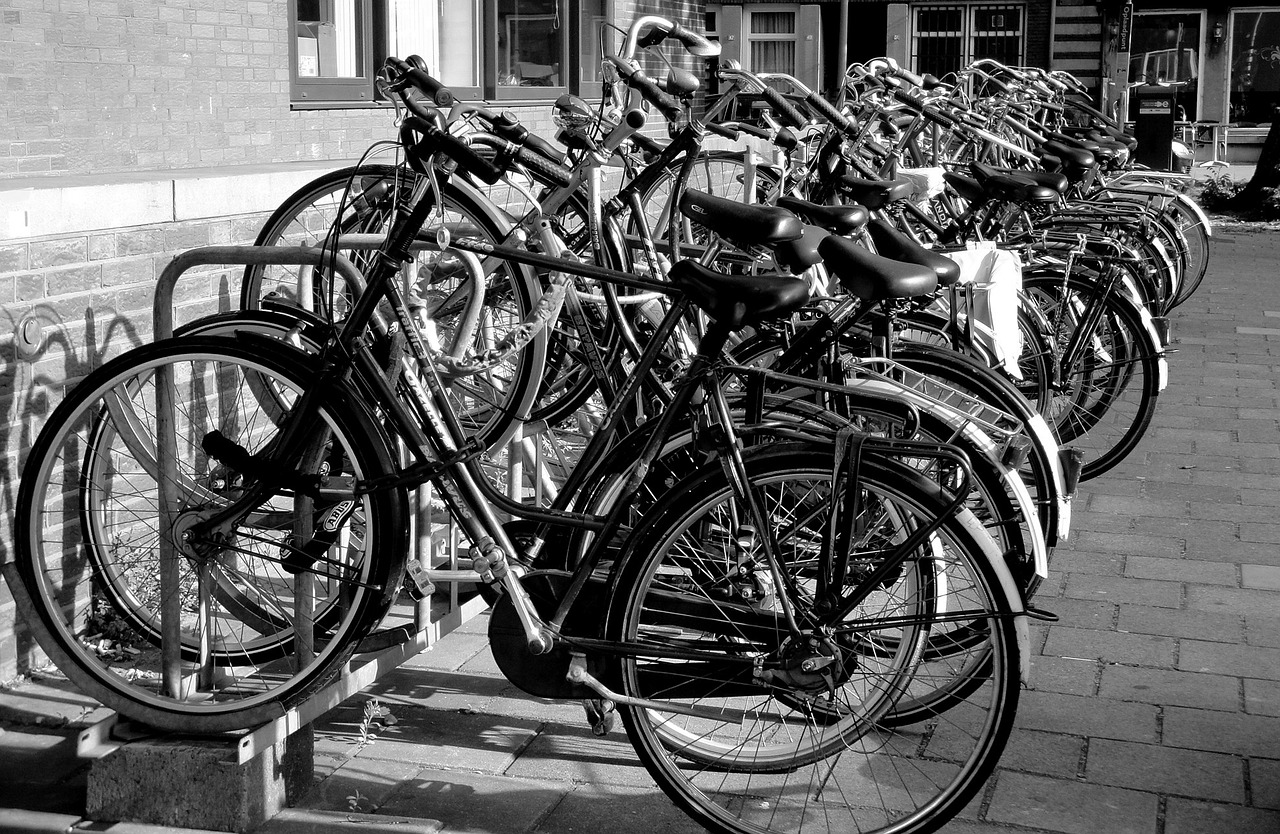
810,755
1106,396
364,199
90,542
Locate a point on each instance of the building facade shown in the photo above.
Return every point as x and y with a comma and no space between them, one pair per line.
131,130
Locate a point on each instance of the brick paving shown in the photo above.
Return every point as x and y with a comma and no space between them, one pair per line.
1154,705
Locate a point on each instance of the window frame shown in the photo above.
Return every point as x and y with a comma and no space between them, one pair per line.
315,93
320,91
969,31
750,38
1201,47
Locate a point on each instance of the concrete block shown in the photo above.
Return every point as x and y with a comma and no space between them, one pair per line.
194,783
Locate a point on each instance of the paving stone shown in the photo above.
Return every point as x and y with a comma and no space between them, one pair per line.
1123,591
593,810
1225,732
444,739
1262,630
1076,561
1050,754
1229,511
1159,686
1081,613
359,785
1264,780
1181,570
1254,532
1088,716
1232,600
1190,530
1166,770
1070,806
1141,649
1261,577
451,653
1137,506
1261,697
475,802
575,755
1070,676
1129,545
1230,550
1202,625
1185,816
1248,661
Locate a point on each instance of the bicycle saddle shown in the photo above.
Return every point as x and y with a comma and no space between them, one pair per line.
966,187
842,220
893,244
746,225
1072,154
800,254
1049,179
871,277
875,194
739,300
1009,187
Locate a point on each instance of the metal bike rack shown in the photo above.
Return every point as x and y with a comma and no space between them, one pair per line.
362,670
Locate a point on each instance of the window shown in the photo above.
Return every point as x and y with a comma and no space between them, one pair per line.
772,41
1166,48
946,38
503,49
1255,65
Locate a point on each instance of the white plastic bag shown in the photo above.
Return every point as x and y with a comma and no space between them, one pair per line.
997,278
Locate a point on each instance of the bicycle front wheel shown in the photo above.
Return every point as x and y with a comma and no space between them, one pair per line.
243,626
788,753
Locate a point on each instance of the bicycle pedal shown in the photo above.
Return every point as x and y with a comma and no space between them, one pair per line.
416,580
601,715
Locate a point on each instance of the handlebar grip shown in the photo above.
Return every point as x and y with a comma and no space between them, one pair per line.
667,104
435,140
828,110
434,88
785,109
697,44
538,163
918,104
997,83
910,77
542,146
721,130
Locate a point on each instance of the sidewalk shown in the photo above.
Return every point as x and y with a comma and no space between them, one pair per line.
1154,706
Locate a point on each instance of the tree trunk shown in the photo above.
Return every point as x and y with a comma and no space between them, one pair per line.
1266,175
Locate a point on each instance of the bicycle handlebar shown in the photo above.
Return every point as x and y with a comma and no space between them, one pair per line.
696,44
635,78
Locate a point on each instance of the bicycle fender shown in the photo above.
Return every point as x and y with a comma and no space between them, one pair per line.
1155,346
1201,217
1037,427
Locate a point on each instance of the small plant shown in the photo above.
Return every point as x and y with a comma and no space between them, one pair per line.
376,718
359,803
1218,191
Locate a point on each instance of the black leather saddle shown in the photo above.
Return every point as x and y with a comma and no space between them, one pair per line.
894,245
739,300
875,194
1058,182
1011,187
745,225
842,220
872,277
800,254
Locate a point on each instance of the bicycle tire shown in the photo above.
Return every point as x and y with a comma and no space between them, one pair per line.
849,746
62,594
